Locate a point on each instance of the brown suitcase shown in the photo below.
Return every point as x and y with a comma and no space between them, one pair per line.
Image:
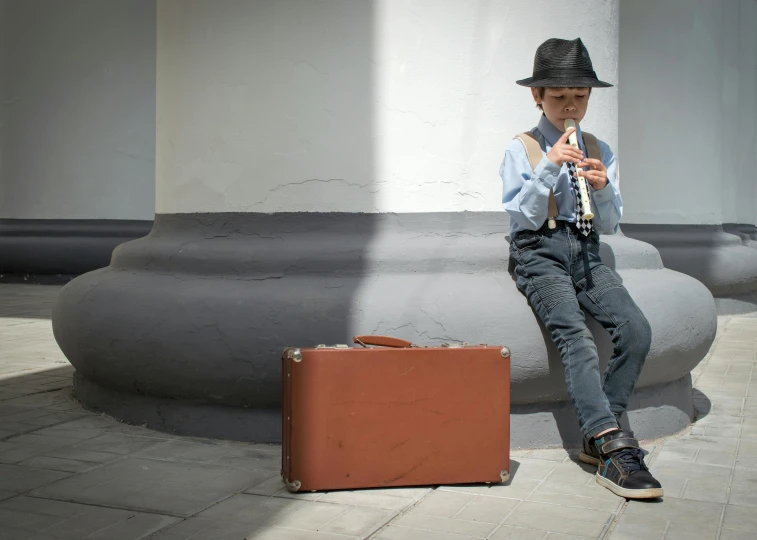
394,415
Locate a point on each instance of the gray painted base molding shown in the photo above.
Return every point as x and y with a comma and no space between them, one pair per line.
653,412
186,326
194,419
65,247
724,258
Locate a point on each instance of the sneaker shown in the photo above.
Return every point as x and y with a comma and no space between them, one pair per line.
622,469
589,454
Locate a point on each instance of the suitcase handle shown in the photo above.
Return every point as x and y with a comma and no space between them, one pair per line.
382,341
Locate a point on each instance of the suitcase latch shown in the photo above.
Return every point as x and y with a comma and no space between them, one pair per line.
456,345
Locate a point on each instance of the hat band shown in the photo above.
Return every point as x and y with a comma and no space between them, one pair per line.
563,73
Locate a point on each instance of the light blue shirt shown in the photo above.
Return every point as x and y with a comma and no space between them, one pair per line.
525,193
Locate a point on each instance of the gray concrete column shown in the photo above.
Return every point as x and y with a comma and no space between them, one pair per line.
330,169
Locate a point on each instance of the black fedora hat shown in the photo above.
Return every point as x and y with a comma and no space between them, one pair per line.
563,63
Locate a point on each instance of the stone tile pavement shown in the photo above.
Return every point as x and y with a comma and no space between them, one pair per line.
66,473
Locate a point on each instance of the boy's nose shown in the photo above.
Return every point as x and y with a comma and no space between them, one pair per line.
570,108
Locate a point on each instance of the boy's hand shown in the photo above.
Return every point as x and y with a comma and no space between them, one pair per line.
597,175
562,151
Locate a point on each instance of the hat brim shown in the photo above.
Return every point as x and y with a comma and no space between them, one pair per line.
574,82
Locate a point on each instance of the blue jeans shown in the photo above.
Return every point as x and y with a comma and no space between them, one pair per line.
559,271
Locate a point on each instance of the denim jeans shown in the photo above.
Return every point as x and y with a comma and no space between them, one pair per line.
559,271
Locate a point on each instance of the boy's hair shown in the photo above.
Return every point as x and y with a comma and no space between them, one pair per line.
540,92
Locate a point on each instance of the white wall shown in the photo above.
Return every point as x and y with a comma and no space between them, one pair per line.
3,93
739,107
78,138
687,111
373,106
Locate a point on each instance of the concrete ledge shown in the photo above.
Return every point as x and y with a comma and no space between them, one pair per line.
191,418
654,412
199,311
722,257
52,246
747,233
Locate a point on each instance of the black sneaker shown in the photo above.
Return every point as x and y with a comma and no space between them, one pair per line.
622,469
589,454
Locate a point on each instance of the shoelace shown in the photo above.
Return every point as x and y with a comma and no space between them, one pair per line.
631,459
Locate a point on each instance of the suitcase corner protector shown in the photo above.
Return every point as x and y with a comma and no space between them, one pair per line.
292,353
293,486
505,352
504,475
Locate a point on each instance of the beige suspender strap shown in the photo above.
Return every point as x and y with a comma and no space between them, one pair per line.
592,146
533,149
534,153
593,151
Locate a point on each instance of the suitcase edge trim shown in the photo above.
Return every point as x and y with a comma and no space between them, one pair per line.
291,354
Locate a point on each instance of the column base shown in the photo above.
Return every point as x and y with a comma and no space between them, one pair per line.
723,258
181,417
45,248
184,330
655,411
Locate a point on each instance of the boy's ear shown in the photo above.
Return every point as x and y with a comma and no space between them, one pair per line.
535,93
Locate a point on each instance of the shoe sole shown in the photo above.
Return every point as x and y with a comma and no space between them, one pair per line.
651,493
586,458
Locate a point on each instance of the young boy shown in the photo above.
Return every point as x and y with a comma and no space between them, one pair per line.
555,257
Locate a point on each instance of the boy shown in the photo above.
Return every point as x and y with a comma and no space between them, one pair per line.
555,257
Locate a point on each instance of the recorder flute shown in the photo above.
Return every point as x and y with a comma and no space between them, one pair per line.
583,191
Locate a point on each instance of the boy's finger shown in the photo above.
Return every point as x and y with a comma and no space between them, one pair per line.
593,163
594,175
565,135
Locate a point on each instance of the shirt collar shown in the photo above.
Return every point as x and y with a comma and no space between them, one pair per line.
552,134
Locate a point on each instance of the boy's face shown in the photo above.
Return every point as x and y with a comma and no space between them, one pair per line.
559,104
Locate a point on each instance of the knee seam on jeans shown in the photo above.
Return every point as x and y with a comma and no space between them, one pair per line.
610,369
584,335
553,290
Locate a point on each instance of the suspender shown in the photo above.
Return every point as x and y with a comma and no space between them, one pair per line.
534,153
